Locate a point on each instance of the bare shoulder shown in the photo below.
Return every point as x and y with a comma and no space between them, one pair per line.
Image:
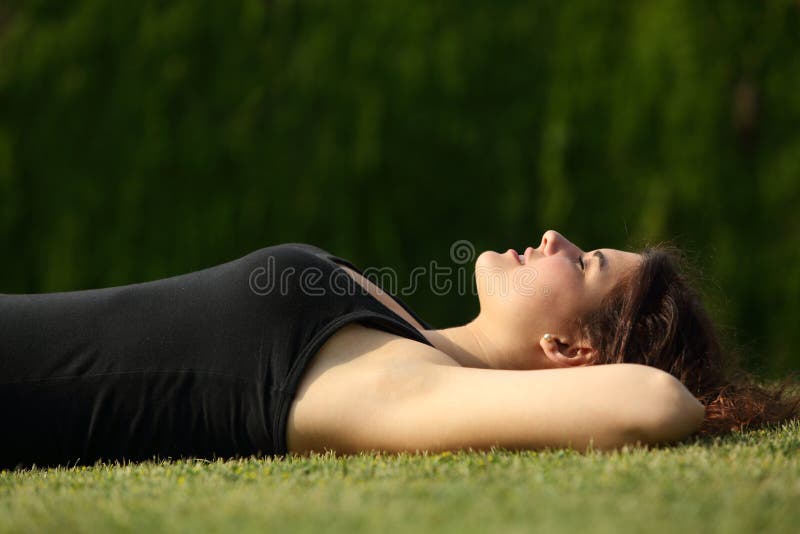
340,382
370,390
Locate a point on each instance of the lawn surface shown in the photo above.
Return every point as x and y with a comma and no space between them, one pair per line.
746,482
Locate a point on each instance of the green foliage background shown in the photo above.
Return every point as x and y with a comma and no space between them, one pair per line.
144,139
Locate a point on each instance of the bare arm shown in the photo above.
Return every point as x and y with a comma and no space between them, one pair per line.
608,405
415,406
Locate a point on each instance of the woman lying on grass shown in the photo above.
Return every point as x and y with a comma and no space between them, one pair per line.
291,349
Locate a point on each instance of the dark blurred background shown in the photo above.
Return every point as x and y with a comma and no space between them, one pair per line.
140,140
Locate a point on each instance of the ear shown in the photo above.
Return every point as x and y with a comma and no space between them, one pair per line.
565,354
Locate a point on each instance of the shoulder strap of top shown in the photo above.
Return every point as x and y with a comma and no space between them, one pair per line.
339,261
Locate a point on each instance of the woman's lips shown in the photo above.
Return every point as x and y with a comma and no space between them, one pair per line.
516,256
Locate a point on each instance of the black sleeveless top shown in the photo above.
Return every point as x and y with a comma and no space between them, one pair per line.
204,364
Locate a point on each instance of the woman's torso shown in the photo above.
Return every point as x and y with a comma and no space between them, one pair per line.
207,363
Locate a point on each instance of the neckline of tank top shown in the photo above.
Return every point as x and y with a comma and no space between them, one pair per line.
338,261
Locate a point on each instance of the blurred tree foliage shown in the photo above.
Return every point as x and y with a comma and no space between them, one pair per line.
145,139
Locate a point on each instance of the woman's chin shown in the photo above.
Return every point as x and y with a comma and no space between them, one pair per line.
494,261
484,256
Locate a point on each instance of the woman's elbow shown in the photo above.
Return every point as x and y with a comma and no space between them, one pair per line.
675,413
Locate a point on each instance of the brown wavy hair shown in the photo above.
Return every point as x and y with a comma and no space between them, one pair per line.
655,316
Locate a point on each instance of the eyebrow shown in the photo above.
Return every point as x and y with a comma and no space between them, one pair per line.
602,257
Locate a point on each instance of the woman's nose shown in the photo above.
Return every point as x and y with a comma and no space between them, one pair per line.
553,243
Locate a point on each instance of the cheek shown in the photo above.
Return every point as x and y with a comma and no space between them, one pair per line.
557,281
530,292
560,291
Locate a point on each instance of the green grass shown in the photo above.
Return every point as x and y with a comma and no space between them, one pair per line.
745,482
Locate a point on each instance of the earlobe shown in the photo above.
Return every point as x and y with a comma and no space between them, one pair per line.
564,354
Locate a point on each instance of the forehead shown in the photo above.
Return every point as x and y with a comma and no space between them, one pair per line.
619,261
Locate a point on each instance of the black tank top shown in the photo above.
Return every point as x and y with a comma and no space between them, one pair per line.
204,364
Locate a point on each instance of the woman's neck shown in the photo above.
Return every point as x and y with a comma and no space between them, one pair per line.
468,344
476,345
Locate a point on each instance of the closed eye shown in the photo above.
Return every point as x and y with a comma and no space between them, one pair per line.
580,262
